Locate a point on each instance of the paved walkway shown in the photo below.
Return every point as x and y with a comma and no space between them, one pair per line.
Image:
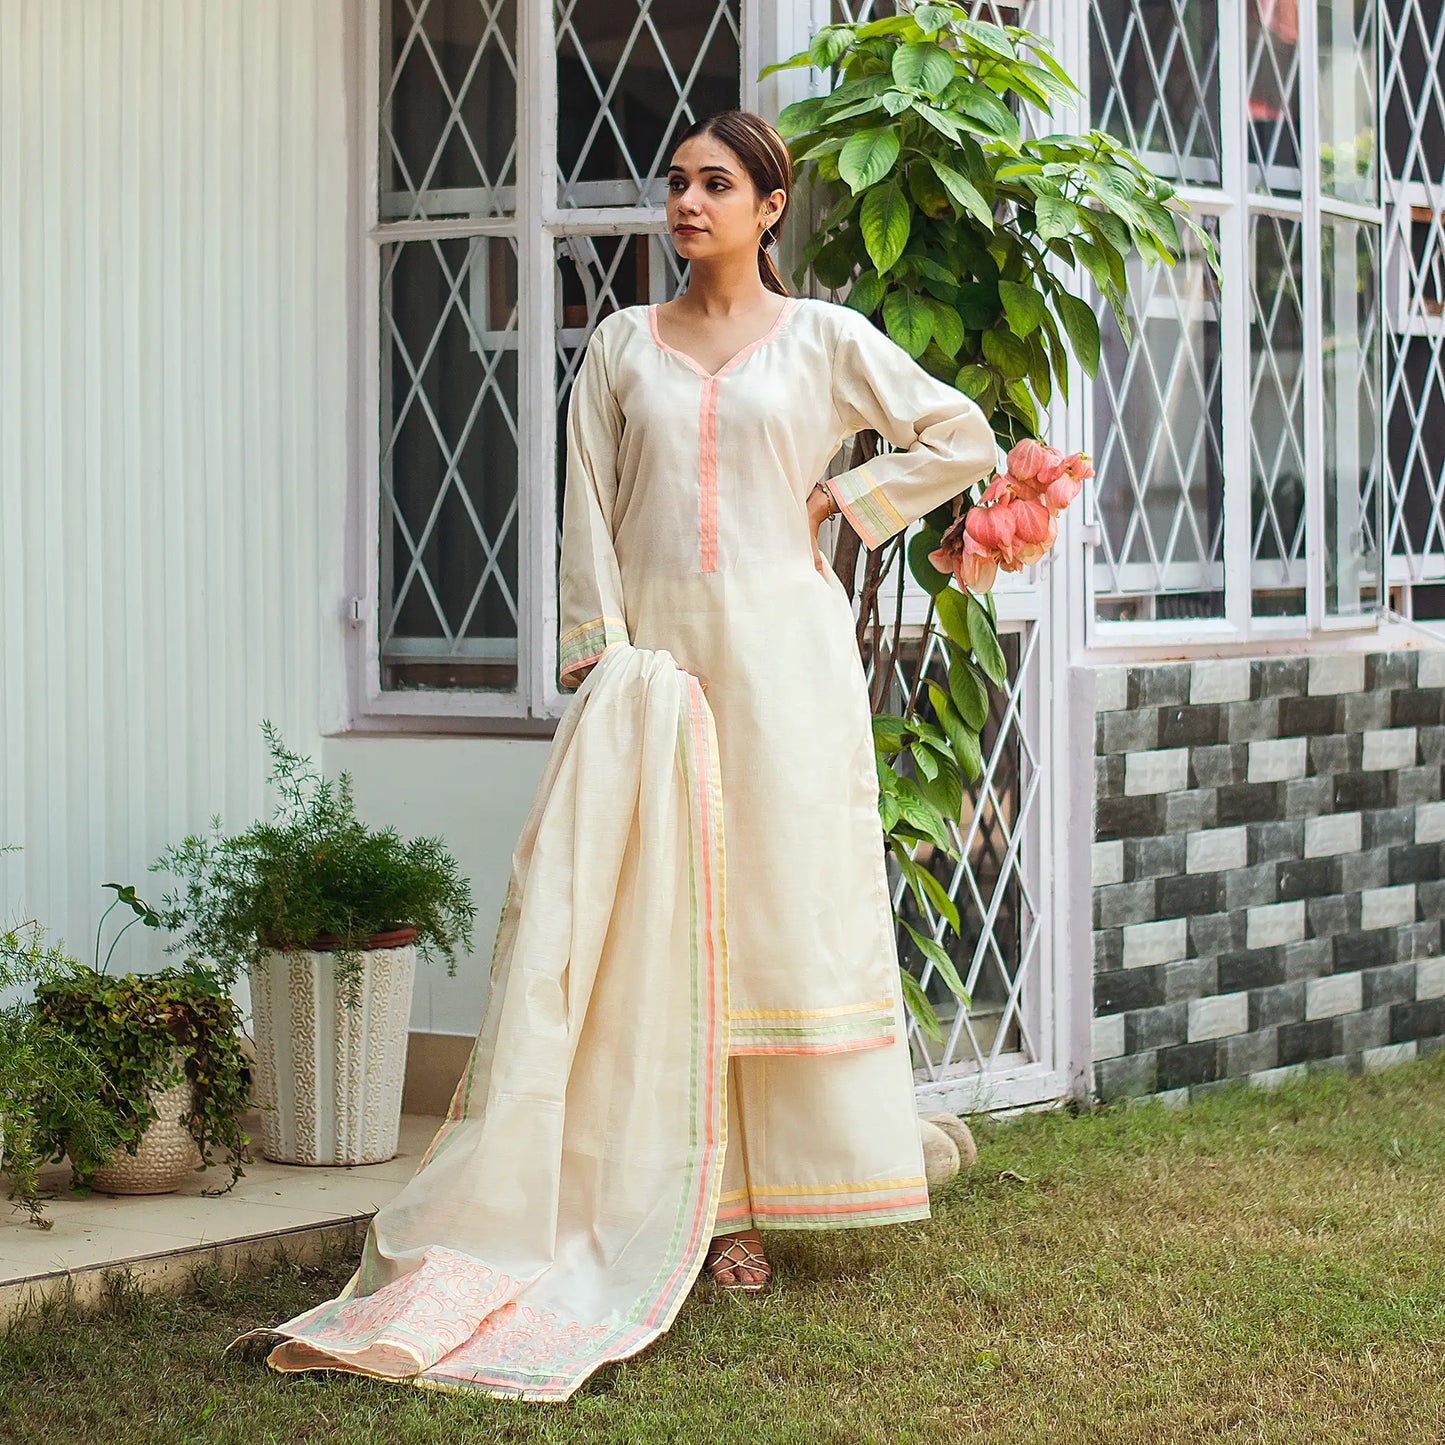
161,1236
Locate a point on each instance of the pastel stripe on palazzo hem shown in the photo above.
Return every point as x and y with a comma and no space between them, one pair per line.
823,1208
813,1031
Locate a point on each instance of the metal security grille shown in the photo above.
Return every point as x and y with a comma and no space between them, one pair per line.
1414,268
448,109
449,309
1266,122
629,75
1154,79
1157,420
994,882
1277,413
518,200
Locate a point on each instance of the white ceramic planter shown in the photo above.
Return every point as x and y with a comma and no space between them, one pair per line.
333,1073
167,1151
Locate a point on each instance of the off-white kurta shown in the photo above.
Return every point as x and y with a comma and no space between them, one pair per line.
695,1013
685,527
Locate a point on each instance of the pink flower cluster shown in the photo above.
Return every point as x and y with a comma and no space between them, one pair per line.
1013,522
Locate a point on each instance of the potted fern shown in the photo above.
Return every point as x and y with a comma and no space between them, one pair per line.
961,234
325,915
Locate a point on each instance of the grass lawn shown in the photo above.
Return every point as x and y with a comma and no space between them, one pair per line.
1252,1267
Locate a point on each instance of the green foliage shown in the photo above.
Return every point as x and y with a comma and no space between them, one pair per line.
312,871
947,213
940,219
43,1069
132,1025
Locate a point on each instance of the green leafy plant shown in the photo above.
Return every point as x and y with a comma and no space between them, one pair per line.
949,225
313,874
43,1069
134,1025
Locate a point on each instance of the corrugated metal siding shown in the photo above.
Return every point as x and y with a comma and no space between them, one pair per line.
172,421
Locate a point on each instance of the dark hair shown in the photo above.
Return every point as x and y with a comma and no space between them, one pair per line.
765,157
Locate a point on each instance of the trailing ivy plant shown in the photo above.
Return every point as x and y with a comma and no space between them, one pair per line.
151,1031
941,217
312,874
42,1069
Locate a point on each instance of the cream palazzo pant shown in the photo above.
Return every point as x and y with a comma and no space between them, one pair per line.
822,1141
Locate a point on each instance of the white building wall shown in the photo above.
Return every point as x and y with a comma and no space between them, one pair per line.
171,381
173,445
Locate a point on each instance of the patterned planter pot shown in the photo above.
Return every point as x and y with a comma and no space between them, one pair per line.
166,1153
333,1073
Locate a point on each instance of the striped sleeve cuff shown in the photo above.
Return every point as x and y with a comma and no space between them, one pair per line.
579,647
867,508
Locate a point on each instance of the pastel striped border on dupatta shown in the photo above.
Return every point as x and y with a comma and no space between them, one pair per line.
518,1351
573,1351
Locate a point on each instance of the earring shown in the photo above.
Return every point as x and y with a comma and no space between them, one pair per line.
766,239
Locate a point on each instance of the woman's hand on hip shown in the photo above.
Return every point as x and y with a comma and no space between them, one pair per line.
820,507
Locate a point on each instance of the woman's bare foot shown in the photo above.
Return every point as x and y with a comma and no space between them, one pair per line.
737,1261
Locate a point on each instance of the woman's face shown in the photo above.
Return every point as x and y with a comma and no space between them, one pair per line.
713,208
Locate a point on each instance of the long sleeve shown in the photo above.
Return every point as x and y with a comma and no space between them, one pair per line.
945,442
591,620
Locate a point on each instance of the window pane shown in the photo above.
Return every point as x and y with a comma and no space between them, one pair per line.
1352,416
992,880
1276,418
1272,122
449,464
1416,400
1414,41
991,12
1157,432
1154,82
448,108
630,75
1347,99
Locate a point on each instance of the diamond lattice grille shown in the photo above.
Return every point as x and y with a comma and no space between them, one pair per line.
1272,78
449,109
1413,34
1348,99
1277,415
1352,463
993,882
1157,424
1154,82
630,74
449,462
995,12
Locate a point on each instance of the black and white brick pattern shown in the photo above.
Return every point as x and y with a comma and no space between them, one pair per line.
1267,868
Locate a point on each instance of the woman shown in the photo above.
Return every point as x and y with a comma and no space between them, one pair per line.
664,1060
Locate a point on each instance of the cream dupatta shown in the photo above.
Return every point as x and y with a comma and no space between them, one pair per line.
560,1214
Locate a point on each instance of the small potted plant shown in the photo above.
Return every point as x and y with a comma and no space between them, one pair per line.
177,1078
325,915
40,1062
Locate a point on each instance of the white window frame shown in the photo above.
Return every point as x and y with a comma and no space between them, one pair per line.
769,28
1233,204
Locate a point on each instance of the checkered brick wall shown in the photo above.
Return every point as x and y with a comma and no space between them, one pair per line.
1268,891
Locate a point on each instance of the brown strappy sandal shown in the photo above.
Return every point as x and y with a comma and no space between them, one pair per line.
720,1257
